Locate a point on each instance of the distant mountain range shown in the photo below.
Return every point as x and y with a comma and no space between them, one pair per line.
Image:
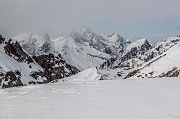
82,49
30,58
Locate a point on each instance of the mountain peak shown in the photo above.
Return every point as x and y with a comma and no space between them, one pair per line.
138,43
113,38
34,43
85,30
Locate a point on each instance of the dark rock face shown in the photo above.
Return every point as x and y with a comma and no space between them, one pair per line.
54,67
15,50
107,50
130,74
136,51
12,79
172,73
46,47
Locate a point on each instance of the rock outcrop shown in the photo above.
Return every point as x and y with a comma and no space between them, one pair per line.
53,67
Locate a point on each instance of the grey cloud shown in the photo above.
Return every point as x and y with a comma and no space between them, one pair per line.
178,27
58,17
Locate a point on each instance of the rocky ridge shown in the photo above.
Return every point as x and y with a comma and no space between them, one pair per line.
138,54
166,64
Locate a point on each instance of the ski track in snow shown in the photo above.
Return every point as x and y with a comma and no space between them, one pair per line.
84,98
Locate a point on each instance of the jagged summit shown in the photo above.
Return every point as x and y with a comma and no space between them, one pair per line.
112,44
113,38
86,30
139,43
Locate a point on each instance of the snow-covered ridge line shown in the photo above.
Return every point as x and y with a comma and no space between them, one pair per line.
141,53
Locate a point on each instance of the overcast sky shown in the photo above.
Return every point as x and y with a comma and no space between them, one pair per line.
129,18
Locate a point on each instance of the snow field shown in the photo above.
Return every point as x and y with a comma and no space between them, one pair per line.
84,98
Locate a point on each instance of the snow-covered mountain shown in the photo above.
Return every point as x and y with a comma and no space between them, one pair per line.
112,44
165,65
137,54
140,52
131,57
17,68
79,55
81,49
84,49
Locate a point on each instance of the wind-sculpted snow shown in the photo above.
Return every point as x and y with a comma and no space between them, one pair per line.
82,98
88,74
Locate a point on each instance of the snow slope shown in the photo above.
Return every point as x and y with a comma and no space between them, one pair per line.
82,98
7,63
162,64
81,56
86,75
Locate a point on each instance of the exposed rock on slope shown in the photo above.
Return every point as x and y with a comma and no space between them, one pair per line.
140,52
53,67
18,68
79,55
165,65
112,44
131,57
